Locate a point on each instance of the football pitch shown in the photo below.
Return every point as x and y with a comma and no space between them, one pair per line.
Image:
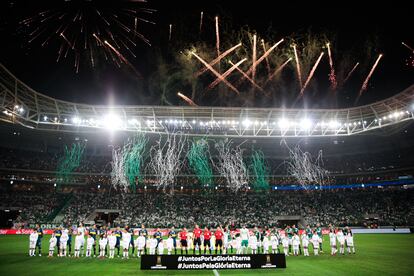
376,254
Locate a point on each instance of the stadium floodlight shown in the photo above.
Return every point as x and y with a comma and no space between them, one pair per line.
99,186
76,120
283,124
333,124
305,124
194,121
133,121
21,110
54,185
11,181
246,122
112,122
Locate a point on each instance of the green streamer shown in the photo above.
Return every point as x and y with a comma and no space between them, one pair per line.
133,159
259,171
200,163
70,161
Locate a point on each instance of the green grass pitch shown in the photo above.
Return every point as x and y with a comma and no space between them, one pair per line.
377,254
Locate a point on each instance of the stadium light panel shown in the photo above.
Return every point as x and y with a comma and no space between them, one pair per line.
305,124
112,122
283,124
76,120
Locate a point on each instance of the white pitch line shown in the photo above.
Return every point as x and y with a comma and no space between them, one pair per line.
216,272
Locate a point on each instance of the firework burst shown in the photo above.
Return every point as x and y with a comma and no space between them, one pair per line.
89,29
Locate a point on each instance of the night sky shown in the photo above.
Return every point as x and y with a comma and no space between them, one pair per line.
352,22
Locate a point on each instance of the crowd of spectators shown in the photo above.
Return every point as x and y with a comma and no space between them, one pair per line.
354,207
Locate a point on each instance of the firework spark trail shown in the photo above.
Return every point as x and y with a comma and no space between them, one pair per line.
231,166
410,48
311,74
365,84
247,77
185,98
410,61
218,75
217,37
122,58
332,76
201,21
350,72
257,62
254,58
74,23
298,66
217,59
66,40
279,69
169,35
267,60
225,74
165,162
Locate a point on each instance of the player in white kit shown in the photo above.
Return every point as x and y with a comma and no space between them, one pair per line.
350,242
341,239
52,244
170,245
89,244
332,241
305,244
111,244
285,244
253,243
275,243
103,241
64,242
140,244
79,240
266,244
315,242
32,242
153,245
295,244
125,242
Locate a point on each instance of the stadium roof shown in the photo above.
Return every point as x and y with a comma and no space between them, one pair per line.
22,105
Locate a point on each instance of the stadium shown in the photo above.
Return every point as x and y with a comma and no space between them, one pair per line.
306,184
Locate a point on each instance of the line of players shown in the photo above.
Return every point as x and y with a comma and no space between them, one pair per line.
200,240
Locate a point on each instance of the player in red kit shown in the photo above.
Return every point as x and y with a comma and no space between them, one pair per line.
197,239
183,240
219,240
207,237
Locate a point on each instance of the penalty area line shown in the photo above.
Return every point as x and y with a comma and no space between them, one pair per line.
216,272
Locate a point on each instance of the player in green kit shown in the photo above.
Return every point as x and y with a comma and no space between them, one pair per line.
258,235
319,233
289,234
